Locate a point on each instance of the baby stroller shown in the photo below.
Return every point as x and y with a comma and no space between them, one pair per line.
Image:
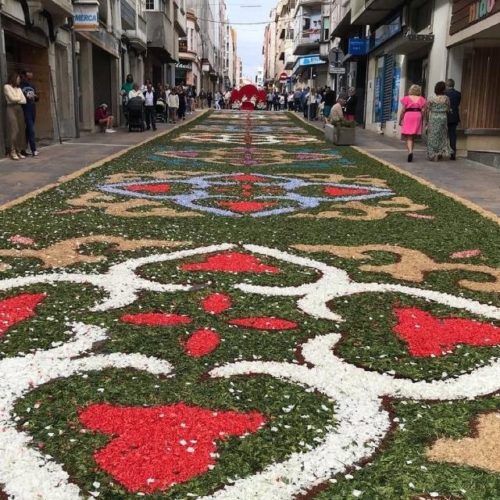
135,109
161,109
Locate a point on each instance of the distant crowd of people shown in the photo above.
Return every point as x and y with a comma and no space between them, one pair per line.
315,104
162,103
21,97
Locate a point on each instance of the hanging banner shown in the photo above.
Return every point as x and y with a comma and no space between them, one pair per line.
86,16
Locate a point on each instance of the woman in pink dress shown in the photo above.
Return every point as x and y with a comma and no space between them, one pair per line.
411,117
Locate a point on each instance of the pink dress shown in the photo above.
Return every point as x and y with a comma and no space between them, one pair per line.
412,120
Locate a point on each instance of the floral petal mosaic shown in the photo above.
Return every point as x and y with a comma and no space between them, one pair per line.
238,310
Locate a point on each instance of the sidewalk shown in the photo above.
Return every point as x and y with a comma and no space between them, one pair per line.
468,179
18,178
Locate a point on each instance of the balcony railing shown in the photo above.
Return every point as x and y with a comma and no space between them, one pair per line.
138,37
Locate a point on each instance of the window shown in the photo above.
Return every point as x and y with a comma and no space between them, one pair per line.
421,15
150,4
326,29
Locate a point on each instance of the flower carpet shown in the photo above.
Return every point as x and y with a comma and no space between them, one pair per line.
239,310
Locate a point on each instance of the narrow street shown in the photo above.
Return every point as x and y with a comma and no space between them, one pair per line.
237,309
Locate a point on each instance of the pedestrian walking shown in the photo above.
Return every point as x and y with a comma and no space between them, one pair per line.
104,119
436,114
351,105
411,117
16,137
29,109
150,100
291,102
312,105
455,98
210,99
297,98
328,101
173,106
181,110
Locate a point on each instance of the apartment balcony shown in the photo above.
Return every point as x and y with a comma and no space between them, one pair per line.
138,37
180,22
308,21
372,11
159,35
57,8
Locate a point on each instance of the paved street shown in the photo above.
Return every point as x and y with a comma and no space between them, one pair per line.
240,307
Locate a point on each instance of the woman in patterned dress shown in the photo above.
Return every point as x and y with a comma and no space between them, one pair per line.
436,113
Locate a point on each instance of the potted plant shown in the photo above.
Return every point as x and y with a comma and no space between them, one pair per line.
341,132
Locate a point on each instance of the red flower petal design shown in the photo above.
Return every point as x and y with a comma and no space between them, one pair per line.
216,303
16,309
263,323
156,319
231,262
427,335
154,188
155,448
341,191
246,206
202,342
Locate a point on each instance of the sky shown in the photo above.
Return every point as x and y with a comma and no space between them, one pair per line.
250,38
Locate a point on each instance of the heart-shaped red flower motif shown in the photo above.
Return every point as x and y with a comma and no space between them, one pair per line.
16,309
427,335
155,448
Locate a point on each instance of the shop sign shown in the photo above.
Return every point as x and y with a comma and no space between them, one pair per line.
308,61
468,13
358,46
336,70
187,66
86,16
385,32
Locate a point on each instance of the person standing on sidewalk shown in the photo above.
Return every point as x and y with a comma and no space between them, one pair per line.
173,105
16,138
455,98
29,109
351,105
150,107
411,117
127,86
181,110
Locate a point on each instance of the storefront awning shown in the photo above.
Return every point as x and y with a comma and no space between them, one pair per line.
408,43
307,61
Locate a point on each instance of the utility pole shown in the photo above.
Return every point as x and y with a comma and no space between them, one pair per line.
3,80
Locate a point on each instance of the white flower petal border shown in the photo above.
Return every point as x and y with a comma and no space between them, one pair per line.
26,473
360,419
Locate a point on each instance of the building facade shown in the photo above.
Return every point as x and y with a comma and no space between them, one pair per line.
189,68
80,53
37,36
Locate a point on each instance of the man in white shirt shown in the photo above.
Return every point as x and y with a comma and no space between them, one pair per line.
150,107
